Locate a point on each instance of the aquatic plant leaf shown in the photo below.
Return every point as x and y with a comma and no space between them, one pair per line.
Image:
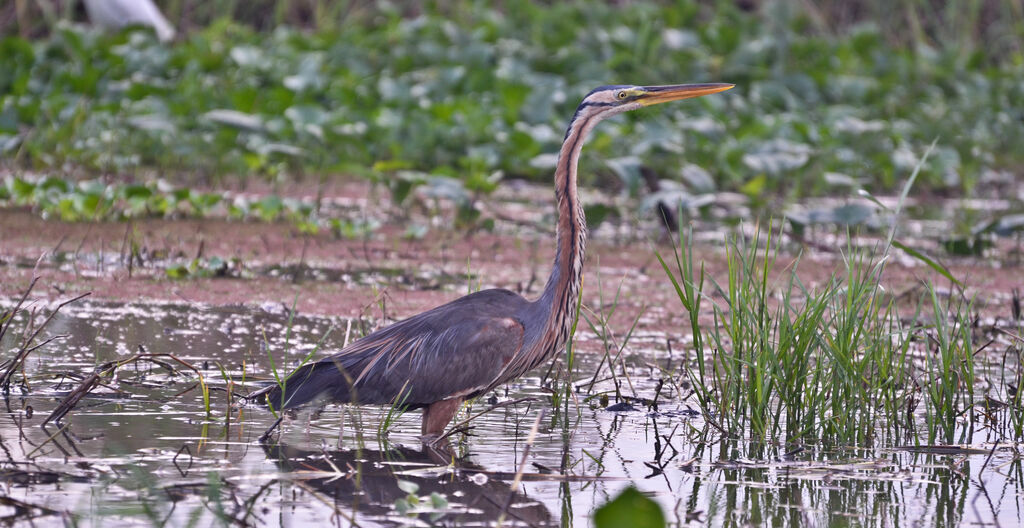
1009,225
1002,226
403,183
415,232
840,180
597,213
236,119
845,215
177,272
755,187
407,486
697,179
628,171
9,143
630,508
967,246
546,161
248,56
281,148
851,214
438,501
302,115
676,199
152,123
777,156
21,189
54,183
442,187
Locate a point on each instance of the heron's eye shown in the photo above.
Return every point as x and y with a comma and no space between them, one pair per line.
621,95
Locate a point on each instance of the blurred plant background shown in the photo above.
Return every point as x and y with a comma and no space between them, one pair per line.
831,95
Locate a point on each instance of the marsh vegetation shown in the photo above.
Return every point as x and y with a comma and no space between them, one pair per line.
802,303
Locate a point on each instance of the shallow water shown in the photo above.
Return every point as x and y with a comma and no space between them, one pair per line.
142,448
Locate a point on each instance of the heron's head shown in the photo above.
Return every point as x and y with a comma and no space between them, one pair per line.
606,101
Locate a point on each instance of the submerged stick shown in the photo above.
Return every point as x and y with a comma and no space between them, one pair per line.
270,430
48,440
93,380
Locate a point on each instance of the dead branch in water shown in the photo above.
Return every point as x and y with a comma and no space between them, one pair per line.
107,369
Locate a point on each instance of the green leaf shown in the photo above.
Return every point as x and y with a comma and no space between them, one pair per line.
177,272
407,486
235,119
269,207
927,260
755,187
970,246
631,508
597,213
628,169
466,215
402,185
21,189
54,183
203,202
216,267
415,232
438,501
136,191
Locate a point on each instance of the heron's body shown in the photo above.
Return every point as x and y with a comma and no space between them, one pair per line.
437,359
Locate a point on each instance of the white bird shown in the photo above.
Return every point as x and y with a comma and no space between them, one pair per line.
120,13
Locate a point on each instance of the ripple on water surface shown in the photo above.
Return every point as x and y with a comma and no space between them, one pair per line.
146,447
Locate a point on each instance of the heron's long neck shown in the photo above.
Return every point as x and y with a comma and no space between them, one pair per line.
561,293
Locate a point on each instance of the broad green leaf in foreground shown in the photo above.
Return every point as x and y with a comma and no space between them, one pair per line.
631,508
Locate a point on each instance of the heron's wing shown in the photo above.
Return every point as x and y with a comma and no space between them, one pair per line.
456,349
434,359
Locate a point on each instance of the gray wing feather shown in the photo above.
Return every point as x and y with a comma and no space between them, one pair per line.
458,349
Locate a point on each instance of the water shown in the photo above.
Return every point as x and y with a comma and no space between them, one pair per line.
142,449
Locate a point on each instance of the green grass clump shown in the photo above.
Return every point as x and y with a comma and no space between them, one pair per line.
785,362
949,372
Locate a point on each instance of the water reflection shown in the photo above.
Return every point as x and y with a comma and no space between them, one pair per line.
365,483
153,455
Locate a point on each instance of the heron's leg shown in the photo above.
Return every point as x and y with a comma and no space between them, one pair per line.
437,415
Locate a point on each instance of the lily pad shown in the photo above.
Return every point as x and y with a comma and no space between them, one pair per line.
236,119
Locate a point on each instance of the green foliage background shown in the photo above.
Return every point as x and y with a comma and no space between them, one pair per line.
481,93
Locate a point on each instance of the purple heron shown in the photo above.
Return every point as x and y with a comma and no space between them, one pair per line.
439,358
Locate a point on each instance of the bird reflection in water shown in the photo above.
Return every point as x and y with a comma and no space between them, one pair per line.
363,483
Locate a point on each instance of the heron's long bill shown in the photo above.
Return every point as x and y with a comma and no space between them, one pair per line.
663,94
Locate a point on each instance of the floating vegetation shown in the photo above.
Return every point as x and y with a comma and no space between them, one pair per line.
95,200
